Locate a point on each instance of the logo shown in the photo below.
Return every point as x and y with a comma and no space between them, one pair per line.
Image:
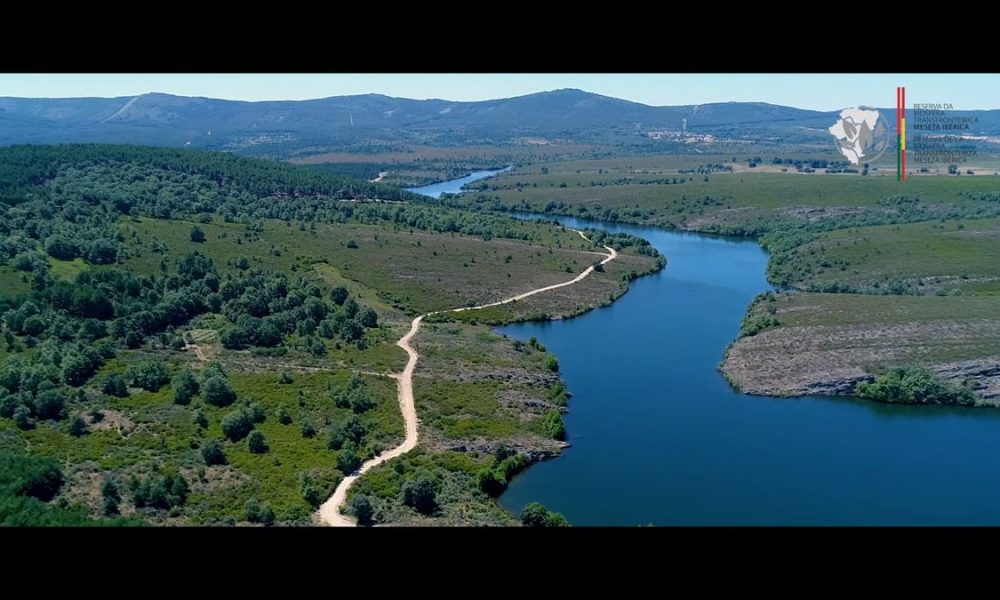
861,134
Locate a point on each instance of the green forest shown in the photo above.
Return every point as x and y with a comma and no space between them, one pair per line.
200,338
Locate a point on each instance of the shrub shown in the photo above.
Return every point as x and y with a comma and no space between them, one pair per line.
160,491
109,498
33,476
259,512
197,235
420,493
148,375
77,426
490,484
256,443
213,453
237,424
361,506
217,391
553,426
185,387
536,515
914,386
348,460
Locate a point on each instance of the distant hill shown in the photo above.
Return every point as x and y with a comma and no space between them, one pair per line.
372,121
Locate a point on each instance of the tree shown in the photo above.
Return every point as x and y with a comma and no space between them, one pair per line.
33,476
420,493
354,430
317,348
234,338
310,491
360,401
213,453
284,417
308,430
369,318
351,308
336,439
77,426
348,460
285,378
489,483
915,386
237,424
197,235
22,417
339,295
217,391
148,375
257,412
185,387
110,498
361,506
256,442
50,404
160,491
536,515
77,369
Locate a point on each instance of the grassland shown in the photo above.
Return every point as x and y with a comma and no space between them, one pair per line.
955,256
825,343
421,165
414,270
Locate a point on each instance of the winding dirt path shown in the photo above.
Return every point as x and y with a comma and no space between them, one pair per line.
329,512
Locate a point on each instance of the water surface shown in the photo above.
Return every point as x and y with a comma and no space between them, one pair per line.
454,186
658,436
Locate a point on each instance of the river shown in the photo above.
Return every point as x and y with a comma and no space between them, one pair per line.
659,437
454,186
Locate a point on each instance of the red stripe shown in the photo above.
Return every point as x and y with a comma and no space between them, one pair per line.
903,102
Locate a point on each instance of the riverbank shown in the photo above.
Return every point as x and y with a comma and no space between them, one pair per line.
330,512
840,242
812,343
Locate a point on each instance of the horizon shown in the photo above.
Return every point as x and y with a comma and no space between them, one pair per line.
819,92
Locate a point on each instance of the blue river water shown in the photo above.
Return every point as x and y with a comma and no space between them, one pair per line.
659,437
454,186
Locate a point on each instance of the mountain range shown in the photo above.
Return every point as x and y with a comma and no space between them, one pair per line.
285,128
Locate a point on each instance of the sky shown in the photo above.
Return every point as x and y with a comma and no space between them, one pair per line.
812,91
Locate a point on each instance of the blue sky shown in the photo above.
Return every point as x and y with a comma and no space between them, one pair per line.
815,91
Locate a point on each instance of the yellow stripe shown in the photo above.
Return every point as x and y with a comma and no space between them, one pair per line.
904,133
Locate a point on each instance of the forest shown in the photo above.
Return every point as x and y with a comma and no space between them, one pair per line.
166,358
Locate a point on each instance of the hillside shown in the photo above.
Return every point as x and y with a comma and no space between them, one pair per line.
200,338
374,122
